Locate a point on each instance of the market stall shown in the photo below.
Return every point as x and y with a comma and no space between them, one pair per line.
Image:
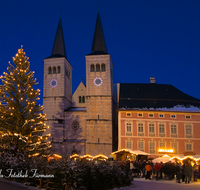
128,154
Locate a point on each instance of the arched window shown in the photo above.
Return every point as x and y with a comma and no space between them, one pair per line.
49,70
83,99
75,125
58,69
97,67
103,67
92,68
54,70
79,99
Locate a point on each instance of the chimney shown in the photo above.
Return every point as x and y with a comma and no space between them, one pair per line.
152,80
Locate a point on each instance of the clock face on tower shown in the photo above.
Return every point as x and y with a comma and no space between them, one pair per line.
98,81
53,83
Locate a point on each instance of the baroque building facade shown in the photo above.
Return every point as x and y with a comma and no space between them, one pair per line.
158,119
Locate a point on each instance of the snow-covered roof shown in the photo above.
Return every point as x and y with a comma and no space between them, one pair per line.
178,108
155,97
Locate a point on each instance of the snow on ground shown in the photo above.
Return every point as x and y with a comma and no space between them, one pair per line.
142,184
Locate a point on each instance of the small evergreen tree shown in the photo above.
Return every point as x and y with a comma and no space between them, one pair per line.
21,120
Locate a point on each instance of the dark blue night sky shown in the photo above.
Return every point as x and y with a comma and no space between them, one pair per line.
146,38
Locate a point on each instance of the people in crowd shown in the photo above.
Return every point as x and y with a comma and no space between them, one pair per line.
161,170
157,168
183,174
143,168
188,172
178,172
148,168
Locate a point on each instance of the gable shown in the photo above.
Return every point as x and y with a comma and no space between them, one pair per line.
79,96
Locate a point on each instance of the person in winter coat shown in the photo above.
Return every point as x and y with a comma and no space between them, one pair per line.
157,168
148,169
188,173
178,172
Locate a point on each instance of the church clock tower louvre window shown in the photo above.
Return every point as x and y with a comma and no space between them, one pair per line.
49,70
92,68
58,69
54,70
97,68
103,67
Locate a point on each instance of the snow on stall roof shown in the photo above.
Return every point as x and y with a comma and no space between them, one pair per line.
179,108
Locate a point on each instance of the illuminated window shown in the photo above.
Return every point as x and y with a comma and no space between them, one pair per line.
162,144
97,67
174,146
92,68
103,67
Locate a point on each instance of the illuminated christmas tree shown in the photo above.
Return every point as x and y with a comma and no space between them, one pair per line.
21,119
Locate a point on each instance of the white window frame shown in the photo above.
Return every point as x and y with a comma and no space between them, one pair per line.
128,113
127,132
162,141
189,143
152,151
162,134
140,133
187,116
129,143
188,135
175,135
173,116
152,134
151,116
142,143
160,115
140,115
174,142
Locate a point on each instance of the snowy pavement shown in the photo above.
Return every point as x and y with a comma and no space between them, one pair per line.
142,184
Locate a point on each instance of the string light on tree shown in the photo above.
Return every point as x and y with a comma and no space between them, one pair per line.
21,117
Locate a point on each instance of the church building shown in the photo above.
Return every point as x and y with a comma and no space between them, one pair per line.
84,122
104,116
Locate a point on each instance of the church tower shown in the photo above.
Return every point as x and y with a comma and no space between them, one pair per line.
99,96
57,92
